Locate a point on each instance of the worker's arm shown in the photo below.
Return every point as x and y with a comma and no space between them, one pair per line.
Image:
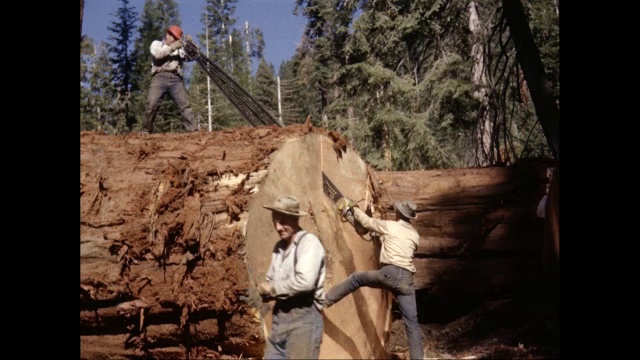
160,50
370,223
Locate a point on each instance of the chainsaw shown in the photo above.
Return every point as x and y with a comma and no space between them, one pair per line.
330,189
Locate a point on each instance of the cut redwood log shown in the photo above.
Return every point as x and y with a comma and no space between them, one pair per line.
173,229
479,233
165,225
297,169
462,277
162,221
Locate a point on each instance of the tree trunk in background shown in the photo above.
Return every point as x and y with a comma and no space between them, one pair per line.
386,146
484,127
528,56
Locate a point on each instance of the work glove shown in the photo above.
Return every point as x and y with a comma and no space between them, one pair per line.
176,45
187,38
344,205
266,290
252,298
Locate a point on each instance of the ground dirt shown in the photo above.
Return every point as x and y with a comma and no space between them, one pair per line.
495,328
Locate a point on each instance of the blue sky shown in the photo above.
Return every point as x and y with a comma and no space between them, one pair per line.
282,30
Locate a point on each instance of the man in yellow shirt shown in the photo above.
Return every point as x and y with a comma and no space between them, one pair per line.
399,242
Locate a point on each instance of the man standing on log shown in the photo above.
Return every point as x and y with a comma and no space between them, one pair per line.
399,242
295,280
167,58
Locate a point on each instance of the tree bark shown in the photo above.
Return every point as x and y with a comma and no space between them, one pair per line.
172,229
478,228
479,76
528,56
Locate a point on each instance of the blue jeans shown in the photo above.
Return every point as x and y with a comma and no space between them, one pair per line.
296,333
162,83
397,280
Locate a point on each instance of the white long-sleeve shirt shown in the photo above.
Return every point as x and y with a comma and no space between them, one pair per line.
399,239
163,59
306,275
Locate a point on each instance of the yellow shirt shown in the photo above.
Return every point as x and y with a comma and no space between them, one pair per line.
399,239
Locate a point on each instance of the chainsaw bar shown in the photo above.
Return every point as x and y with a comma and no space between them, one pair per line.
330,189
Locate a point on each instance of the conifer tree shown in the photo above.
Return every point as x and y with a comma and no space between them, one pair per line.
86,54
123,58
97,113
398,81
265,88
227,49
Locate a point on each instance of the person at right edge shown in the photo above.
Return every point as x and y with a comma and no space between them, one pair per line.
399,242
167,59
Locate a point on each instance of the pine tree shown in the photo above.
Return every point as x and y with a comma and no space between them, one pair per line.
300,97
86,53
377,93
97,111
265,88
398,81
227,49
515,131
324,37
123,58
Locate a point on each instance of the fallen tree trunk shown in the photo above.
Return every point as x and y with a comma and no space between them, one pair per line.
173,229
162,222
479,233
167,240
297,169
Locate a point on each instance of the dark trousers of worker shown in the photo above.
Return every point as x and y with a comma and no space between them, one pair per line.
397,280
168,83
296,330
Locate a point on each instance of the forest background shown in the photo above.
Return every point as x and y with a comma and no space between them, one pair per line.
413,84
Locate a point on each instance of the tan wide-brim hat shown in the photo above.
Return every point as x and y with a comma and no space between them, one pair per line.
407,208
287,205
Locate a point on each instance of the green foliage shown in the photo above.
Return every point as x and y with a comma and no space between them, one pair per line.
228,50
265,88
398,80
98,95
123,58
397,77
399,113
292,90
544,23
86,52
120,46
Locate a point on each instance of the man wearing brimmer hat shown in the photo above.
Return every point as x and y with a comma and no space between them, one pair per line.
295,280
399,242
